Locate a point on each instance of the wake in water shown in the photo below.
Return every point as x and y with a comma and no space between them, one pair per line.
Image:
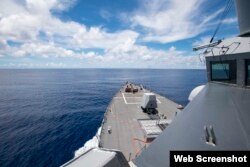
92,143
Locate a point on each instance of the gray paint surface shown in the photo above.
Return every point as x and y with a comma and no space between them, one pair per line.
97,157
243,16
123,117
226,108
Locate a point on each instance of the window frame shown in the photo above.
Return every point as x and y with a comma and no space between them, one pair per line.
232,71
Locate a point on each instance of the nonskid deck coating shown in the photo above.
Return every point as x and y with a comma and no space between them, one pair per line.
122,116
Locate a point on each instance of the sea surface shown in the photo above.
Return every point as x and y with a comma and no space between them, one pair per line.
46,115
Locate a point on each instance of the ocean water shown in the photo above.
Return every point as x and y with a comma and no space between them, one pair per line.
46,115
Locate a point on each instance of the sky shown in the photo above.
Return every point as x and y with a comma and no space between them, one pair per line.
154,34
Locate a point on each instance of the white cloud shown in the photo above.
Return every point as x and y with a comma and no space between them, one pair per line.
143,57
55,65
3,45
35,16
19,27
97,38
25,21
44,6
7,7
172,20
105,14
202,41
132,56
44,50
230,20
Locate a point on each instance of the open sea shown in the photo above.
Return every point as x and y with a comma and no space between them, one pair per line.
46,115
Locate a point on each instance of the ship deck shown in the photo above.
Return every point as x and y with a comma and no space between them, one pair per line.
122,117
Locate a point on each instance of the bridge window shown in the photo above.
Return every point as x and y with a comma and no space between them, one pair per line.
248,72
223,71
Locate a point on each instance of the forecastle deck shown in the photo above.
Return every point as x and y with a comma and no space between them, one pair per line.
127,128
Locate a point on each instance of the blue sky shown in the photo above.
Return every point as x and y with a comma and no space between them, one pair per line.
108,33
